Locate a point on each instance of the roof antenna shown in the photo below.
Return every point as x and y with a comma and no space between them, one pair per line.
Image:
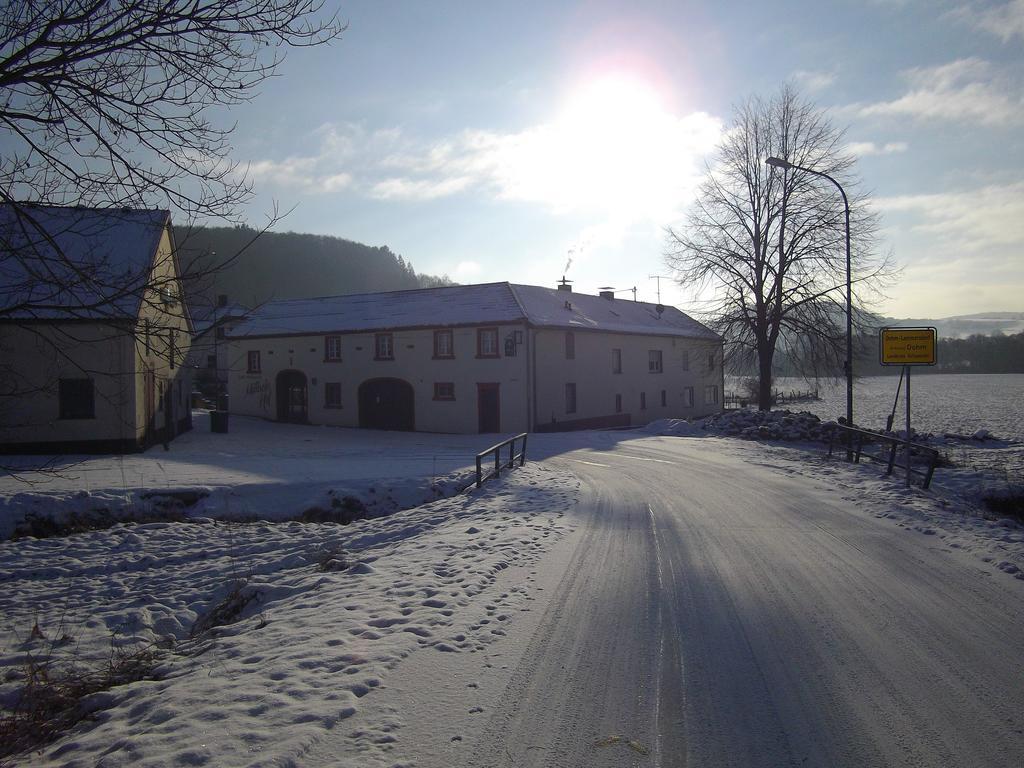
659,279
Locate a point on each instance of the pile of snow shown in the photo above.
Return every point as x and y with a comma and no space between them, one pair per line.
327,612
771,425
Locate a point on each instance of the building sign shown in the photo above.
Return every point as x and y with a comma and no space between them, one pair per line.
906,346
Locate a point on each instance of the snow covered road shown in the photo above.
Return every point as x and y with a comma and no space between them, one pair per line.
719,613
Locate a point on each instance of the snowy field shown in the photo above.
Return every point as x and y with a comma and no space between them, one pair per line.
272,641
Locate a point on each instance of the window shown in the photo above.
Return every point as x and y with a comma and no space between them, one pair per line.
444,390
711,361
570,398
688,397
643,401
253,361
654,361
76,399
172,347
664,398
570,345
332,349
618,403
443,346
486,342
220,332
711,395
686,359
146,326
384,347
616,361
211,362
332,394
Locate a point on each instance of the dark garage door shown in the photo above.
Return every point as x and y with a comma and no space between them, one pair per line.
386,404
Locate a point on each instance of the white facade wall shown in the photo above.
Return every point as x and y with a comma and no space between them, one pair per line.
597,384
48,352
255,394
116,357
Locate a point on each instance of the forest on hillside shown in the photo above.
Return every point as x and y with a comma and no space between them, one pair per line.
251,267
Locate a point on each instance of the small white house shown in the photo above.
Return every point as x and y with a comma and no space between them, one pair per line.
496,357
93,330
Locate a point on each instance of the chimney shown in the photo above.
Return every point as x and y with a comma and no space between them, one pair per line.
222,300
564,285
610,295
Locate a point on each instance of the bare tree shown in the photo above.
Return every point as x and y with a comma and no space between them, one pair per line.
769,246
106,102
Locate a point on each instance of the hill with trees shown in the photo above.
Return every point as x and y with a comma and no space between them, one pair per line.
259,267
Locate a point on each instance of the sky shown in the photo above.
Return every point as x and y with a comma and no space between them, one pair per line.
524,141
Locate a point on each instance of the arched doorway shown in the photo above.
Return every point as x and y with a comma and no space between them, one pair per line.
386,404
292,397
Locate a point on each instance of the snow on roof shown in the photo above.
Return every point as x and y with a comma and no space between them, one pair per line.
563,309
75,263
426,307
466,305
209,316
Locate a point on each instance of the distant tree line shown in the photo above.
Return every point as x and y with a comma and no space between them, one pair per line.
266,266
998,353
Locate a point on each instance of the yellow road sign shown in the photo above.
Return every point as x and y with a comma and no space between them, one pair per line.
906,346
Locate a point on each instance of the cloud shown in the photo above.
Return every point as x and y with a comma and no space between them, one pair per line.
868,148
991,217
1004,21
813,81
614,152
965,89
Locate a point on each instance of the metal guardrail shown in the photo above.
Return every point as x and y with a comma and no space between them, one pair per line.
862,437
496,450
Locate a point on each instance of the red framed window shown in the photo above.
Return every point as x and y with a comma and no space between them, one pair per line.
384,346
332,394
444,390
570,345
487,342
332,349
444,346
654,361
252,361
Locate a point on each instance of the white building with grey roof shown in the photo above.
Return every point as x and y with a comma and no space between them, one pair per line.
496,357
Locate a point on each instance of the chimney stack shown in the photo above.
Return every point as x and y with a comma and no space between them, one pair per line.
610,295
564,285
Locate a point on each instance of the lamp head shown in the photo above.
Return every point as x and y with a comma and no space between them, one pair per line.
778,162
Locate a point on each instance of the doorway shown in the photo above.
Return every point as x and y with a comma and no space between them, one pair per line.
488,405
292,397
387,404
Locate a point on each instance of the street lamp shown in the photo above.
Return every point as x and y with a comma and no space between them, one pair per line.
778,162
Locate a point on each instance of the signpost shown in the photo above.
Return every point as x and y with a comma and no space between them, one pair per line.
907,347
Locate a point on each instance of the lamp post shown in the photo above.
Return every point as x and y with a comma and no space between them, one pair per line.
778,162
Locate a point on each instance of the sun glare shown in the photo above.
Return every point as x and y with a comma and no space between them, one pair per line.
614,147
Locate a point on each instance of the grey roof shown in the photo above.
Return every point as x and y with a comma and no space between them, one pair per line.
488,303
426,307
562,309
76,263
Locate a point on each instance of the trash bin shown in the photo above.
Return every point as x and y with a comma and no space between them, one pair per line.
218,421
